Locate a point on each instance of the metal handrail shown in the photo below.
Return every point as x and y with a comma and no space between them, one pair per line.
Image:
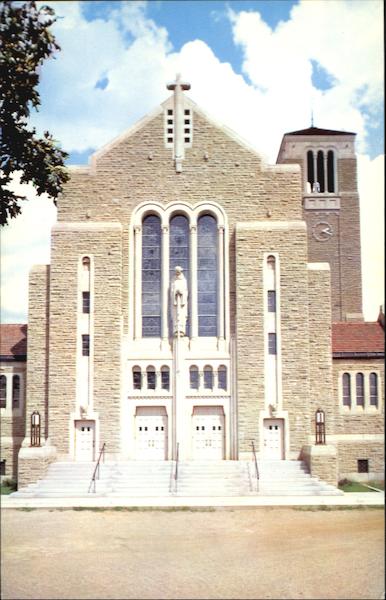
95,475
176,467
256,467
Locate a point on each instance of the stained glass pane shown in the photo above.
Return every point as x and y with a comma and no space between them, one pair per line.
151,276
207,276
179,254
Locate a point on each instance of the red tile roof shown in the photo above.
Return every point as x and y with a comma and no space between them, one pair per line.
358,338
13,341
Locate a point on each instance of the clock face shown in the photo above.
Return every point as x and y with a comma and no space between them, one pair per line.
322,231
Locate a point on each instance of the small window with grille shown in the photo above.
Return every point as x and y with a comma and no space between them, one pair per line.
86,302
363,465
3,391
15,391
151,378
271,301
272,343
208,378
194,378
85,345
137,378
165,378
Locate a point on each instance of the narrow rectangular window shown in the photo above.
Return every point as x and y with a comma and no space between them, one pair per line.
137,379
272,343
359,380
2,468
86,302
346,390
373,389
271,301
86,345
3,391
165,379
150,380
16,391
194,378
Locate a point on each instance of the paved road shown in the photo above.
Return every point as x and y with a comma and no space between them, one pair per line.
257,553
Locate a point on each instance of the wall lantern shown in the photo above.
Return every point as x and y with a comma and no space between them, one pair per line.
320,427
35,428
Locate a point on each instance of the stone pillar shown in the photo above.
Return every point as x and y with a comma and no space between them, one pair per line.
322,462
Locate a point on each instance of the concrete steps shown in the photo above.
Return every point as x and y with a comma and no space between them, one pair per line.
291,478
195,479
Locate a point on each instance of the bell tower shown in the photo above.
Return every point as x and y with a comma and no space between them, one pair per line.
331,210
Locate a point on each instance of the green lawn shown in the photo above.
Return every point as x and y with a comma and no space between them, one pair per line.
380,485
7,487
353,486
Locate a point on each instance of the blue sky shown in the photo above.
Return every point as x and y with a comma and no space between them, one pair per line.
259,67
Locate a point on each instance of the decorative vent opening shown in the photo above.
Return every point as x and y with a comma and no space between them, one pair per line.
170,127
363,465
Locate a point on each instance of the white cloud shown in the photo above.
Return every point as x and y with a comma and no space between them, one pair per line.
372,192
275,96
24,243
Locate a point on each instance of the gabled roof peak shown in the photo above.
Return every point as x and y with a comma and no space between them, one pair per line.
318,131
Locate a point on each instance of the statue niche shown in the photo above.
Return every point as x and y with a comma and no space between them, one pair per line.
179,302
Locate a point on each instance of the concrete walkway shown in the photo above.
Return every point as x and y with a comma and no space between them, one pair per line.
347,499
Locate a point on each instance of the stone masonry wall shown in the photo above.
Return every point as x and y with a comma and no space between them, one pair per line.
233,176
103,243
353,422
321,388
350,452
289,240
37,348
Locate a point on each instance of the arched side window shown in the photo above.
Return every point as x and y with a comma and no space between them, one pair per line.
208,378
86,263
330,171
207,278
137,378
151,378
165,378
374,390
346,389
222,377
193,378
15,391
320,170
360,389
3,391
151,276
179,254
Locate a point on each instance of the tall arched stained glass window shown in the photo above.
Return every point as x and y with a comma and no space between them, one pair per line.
179,252
207,276
151,276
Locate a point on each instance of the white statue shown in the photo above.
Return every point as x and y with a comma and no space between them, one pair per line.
179,302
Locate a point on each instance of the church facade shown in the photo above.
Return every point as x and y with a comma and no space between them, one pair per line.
199,302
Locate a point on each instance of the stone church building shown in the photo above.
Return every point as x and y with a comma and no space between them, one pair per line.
199,300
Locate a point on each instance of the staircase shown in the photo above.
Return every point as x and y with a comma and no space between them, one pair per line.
214,478
291,478
140,479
